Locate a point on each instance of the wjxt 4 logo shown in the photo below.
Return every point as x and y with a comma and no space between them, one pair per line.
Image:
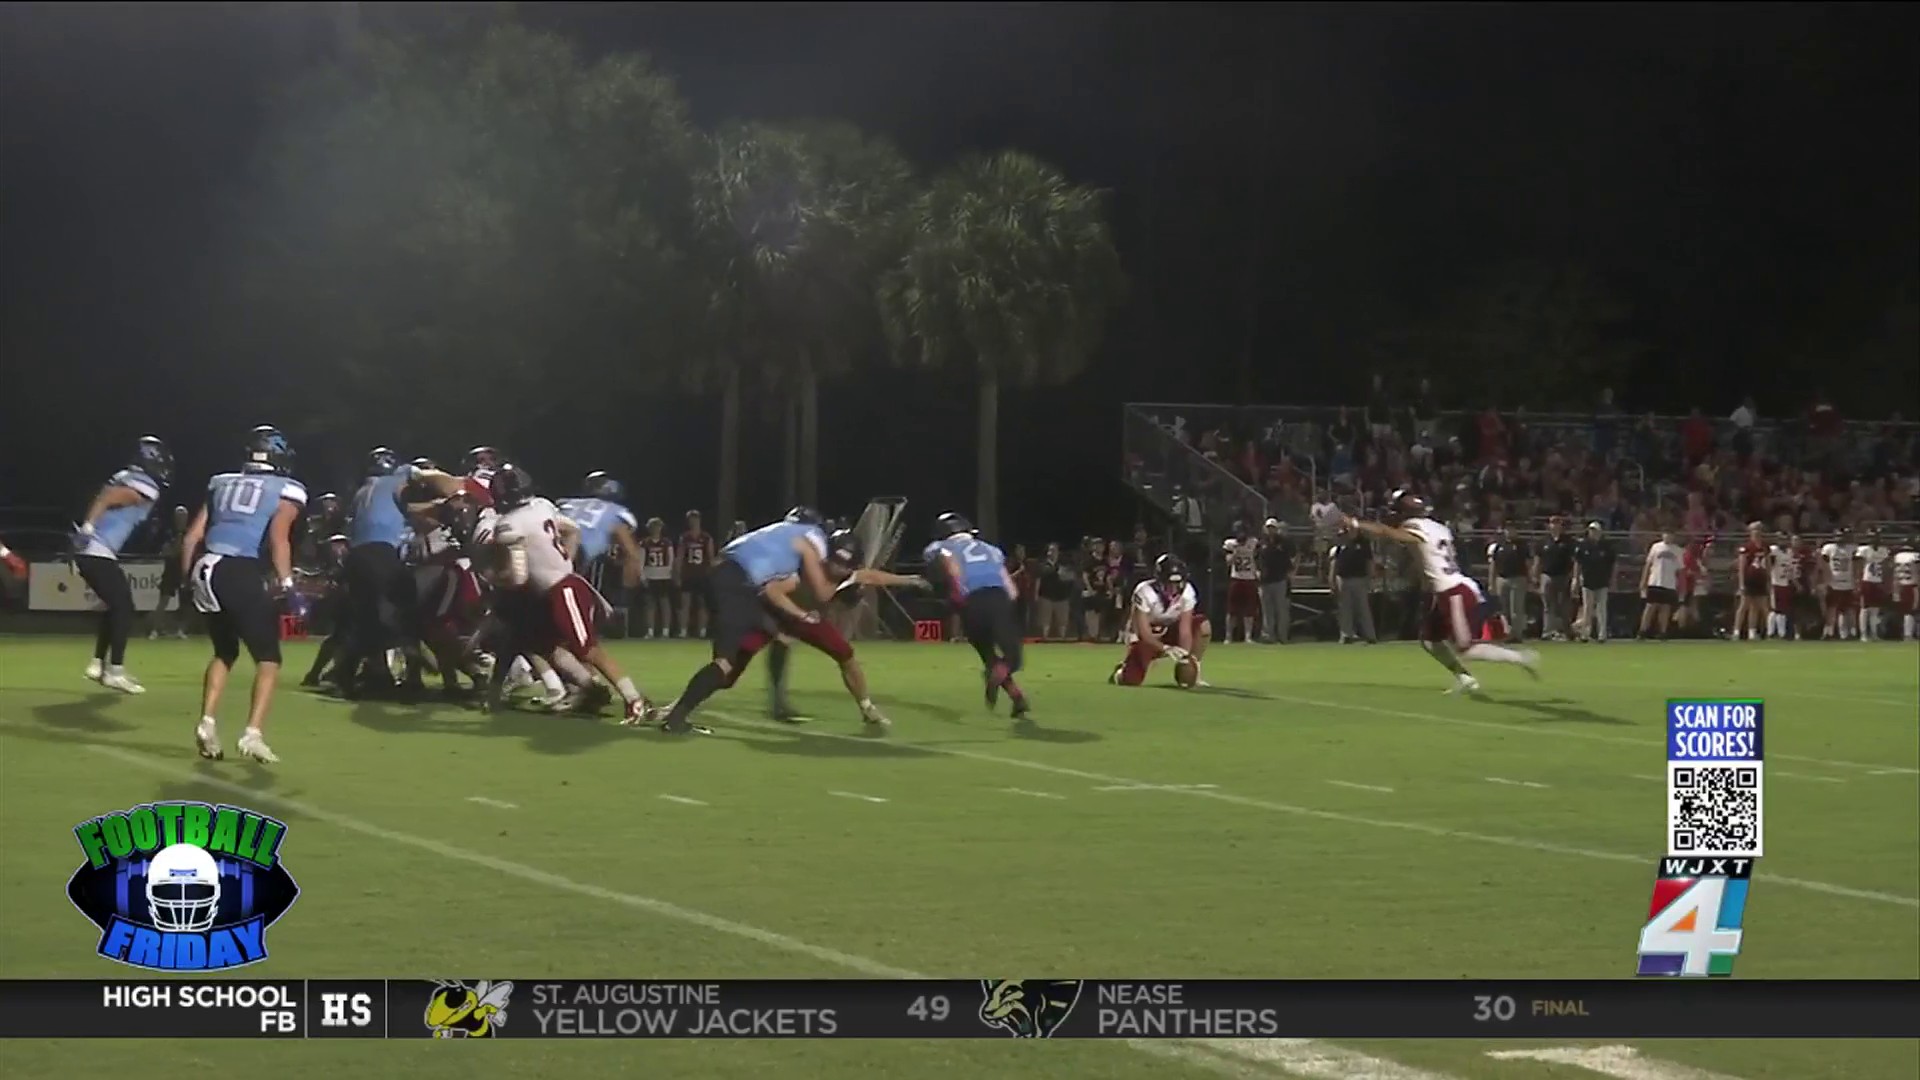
1693,923
182,886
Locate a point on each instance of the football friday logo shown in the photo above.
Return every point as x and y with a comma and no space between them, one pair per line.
1693,923
182,886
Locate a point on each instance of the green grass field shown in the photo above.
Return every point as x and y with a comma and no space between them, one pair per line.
1338,817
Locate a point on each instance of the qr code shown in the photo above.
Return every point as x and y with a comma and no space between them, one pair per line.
1713,809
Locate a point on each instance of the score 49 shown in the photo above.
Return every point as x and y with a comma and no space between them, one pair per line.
935,1008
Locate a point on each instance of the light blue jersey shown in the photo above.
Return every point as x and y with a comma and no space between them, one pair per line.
982,566
240,506
596,518
379,517
117,523
768,554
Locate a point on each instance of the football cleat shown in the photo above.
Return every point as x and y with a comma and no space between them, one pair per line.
1464,684
252,745
123,682
207,738
873,716
95,669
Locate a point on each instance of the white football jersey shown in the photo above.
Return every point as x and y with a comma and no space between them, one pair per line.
1906,568
1782,564
1873,563
1438,564
1840,561
1663,559
530,530
1149,598
1243,559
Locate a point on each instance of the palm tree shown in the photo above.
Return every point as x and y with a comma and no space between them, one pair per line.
863,188
1011,270
756,210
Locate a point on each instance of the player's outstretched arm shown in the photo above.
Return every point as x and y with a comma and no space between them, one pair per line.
887,579
1396,533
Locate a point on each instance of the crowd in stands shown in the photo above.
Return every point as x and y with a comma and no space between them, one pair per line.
1480,470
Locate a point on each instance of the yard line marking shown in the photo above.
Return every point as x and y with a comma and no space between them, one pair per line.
683,800
1317,1060
1360,787
1649,776
1888,772
1421,827
1035,794
856,795
1593,736
496,803
1810,776
1620,1062
773,939
1512,783
1157,787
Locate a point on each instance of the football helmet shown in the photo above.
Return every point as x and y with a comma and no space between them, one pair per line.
599,485
844,547
950,524
152,457
183,889
511,487
1169,570
425,463
1404,503
804,515
382,461
480,457
269,451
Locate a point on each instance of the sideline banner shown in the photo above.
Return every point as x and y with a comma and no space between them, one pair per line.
56,586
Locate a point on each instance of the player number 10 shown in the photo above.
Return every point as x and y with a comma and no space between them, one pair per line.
933,1008
1487,1007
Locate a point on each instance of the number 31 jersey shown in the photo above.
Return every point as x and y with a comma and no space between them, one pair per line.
241,505
1438,563
531,529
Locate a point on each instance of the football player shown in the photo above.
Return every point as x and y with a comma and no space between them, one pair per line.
1906,589
1451,628
1839,569
753,592
550,607
1783,569
381,591
975,573
117,509
244,511
1873,556
1164,604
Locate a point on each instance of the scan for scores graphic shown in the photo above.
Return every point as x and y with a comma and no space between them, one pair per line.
182,886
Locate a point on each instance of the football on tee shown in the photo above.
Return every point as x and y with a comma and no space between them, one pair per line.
1187,672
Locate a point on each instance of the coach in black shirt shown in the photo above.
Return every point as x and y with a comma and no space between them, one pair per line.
1277,554
1352,559
1593,558
1553,566
1508,561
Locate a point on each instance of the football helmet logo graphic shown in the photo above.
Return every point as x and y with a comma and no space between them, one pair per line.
1027,1008
183,889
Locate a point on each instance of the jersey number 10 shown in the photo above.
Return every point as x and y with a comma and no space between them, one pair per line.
240,495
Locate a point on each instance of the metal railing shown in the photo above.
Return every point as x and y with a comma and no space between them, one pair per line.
1198,492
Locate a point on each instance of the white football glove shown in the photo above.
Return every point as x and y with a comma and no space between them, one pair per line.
1176,652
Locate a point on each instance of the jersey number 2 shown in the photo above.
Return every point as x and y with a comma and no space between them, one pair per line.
975,551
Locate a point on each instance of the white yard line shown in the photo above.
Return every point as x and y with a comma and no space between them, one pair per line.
1512,783
848,961
1808,776
495,803
1157,787
856,795
683,800
1033,794
1317,1060
1420,827
1619,1062
1642,743
1360,787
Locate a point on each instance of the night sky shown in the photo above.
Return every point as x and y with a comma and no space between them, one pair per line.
1286,184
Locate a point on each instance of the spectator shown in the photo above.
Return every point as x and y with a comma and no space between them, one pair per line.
1379,409
1277,555
1594,559
1095,593
1352,562
1508,559
1020,569
1119,583
1696,437
1056,585
1553,569
1660,585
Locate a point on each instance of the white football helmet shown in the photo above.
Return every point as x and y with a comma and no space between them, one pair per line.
183,888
